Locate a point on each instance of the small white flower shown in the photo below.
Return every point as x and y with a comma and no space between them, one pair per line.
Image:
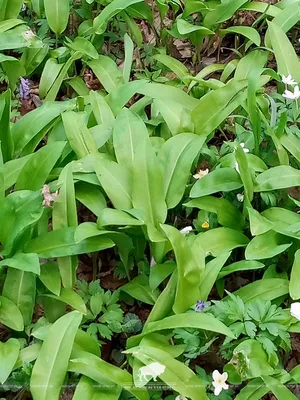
240,197
290,95
244,148
219,381
186,230
201,173
288,80
179,397
295,310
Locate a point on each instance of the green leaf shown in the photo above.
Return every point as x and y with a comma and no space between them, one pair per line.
51,366
176,157
286,57
57,14
6,141
100,22
32,57
87,389
219,240
280,177
129,131
38,167
94,368
215,106
176,374
107,71
50,73
280,391
219,180
240,266
10,315
109,216
189,268
159,272
11,170
101,109
50,277
91,197
246,31
173,64
71,298
9,9
264,289
78,134
258,223
20,287
295,277
61,243
222,12
23,261
227,214
139,289
147,188
129,49
9,352
255,59
267,245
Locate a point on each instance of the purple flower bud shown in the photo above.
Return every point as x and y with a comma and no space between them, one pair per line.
24,89
200,306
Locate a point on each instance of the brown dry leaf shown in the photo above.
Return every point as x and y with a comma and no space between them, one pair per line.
49,198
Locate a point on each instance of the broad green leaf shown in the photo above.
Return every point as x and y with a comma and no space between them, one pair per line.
280,177
267,245
240,266
65,215
100,22
219,240
50,277
254,390
78,134
51,366
258,223
50,73
97,369
84,46
10,315
291,143
6,141
35,123
85,342
10,23
286,57
147,187
295,277
129,49
280,391
211,273
9,352
91,197
227,214
245,175
88,389
24,262
57,14
71,298
246,31
61,243
12,169
222,12
38,167
28,354
10,9
176,374
115,181
189,270
107,72
129,130
20,287
140,290
173,64
109,216
159,272
219,180
176,157
264,8
283,221
101,109
255,59
264,289
32,57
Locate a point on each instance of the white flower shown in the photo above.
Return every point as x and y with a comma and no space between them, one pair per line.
179,397
219,381
240,197
186,230
288,80
295,310
201,173
244,148
290,95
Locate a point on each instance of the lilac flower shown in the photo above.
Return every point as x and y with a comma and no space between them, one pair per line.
24,89
200,306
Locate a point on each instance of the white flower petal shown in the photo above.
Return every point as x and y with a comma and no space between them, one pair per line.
186,230
218,390
225,386
216,375
225,376
236,166
295,310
